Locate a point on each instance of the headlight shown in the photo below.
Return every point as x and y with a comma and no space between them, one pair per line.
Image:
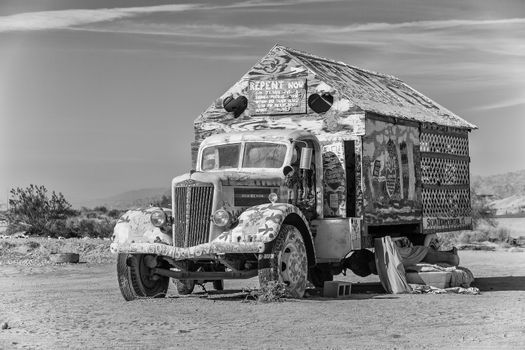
221,218
273,197
158,218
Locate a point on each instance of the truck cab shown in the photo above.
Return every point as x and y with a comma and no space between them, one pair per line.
249,189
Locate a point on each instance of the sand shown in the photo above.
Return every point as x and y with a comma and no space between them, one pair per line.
80,307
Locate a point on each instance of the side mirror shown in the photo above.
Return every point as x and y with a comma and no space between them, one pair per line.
306,158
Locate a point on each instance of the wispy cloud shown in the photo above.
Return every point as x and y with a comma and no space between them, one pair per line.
70,18
330,33
515,102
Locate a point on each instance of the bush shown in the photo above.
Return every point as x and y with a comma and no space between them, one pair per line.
78,227
273,291
115,213
32,207
101,209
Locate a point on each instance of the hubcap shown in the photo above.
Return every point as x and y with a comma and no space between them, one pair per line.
293,264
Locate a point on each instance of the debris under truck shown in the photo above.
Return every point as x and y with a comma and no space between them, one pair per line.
298,164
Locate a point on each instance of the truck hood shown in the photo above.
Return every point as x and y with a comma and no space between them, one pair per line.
235,178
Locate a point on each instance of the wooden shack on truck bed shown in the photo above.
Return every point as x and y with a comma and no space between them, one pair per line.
394,161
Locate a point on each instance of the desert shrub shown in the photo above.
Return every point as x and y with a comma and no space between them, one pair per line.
163,202
77,227
101,209
273,291
481,213
115,213
63,228
499,234
15,227
38,210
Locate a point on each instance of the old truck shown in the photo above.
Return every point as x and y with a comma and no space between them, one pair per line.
301,162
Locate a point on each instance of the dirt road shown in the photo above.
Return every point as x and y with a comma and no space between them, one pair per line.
80,306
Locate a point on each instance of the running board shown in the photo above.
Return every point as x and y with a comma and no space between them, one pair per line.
209,276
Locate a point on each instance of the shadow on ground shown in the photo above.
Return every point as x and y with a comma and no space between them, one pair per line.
486,284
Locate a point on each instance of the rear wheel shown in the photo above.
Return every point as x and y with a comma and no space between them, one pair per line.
287,263
135,278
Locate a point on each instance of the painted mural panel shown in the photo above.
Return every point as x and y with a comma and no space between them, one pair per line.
391,182
334,179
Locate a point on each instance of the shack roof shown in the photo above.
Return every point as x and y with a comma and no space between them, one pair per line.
375,92
361,90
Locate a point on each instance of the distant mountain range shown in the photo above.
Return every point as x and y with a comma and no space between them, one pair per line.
506,191
131,199
500,186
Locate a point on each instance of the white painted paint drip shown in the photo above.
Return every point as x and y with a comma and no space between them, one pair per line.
297,69
342,105
323,87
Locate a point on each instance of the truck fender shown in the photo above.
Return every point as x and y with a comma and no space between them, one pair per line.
262,223
134,226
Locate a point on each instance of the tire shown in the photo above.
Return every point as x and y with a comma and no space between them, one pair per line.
61,258
184,287
218,285
320,274
136,281
287,263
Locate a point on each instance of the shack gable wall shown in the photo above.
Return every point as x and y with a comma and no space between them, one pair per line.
344,121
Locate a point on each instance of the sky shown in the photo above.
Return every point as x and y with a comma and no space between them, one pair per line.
98,97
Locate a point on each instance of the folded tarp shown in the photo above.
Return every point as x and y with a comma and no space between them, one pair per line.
389,266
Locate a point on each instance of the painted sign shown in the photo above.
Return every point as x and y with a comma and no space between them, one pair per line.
446,223
284,96
247,197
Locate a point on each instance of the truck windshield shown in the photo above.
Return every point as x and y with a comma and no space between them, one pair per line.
256,155
221,157
263,155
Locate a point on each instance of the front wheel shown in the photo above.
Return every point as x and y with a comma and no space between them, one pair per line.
287,263
136,280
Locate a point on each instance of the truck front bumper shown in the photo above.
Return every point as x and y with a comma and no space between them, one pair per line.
198,251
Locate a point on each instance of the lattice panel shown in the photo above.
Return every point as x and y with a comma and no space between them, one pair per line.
441,143
446,202
440,171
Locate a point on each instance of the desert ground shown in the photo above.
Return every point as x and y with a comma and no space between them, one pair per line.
80,306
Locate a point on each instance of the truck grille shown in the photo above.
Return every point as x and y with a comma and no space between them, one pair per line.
193,205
